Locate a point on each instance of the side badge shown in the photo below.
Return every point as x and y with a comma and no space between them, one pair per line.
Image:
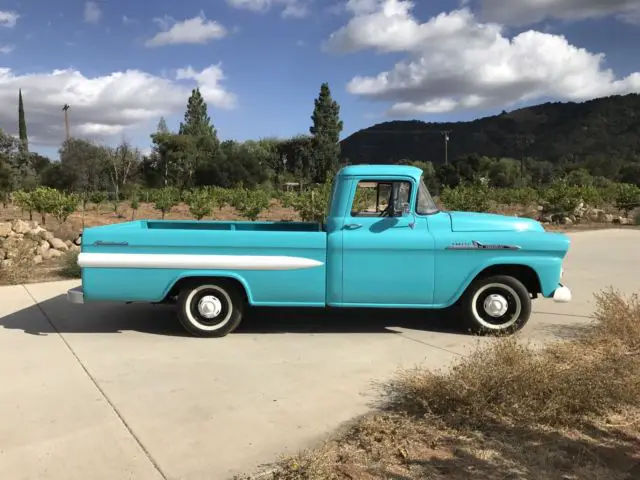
475,245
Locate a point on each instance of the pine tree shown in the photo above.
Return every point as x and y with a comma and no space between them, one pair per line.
326,130
196,119
162,126
22,125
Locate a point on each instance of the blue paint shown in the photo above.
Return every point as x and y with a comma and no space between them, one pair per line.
367,261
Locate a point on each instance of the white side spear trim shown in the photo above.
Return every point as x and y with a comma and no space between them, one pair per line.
197,262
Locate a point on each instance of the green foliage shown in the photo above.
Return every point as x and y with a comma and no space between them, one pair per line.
64,205
515,196
22,125
250,203
326,130
45,201
97,197
165,199
200,204
467,198
627,197
560,198
312,204
25,200
196,119
135,204
69,265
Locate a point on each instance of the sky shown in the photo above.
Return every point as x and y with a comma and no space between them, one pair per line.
259,64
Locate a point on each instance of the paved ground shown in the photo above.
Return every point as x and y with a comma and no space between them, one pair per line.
117,391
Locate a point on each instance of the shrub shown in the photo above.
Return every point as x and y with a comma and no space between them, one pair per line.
627,197
45,201
25,201
165,199
525,196
199,204
312,204
469,198
69,265
97,197
64,205
560,198
250,203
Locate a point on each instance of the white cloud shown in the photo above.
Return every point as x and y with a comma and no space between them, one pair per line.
528,12
196,30
105,106
455,62
8,19
290,8
7,48
209,80
92,12
128,20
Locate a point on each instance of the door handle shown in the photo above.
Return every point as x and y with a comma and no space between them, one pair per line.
352,226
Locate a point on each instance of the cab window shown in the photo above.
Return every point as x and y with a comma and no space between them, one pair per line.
380,198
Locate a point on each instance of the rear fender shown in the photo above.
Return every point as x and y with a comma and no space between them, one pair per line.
208,274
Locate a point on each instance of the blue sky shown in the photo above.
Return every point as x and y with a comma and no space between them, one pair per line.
476,59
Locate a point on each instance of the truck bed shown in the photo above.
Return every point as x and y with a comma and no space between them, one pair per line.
279,263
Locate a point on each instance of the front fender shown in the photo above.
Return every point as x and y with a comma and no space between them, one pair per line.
450,287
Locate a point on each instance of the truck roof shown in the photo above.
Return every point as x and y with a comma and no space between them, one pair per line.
380,170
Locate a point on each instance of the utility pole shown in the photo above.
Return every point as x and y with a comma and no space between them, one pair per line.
445,134
66,119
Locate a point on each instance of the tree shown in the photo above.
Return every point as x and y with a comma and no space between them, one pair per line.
196,119
158,159
88,163
22,125
121,162
326,130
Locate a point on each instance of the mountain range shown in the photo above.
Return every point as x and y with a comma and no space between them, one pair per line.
553,131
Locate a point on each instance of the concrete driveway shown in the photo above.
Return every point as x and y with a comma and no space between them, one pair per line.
118,391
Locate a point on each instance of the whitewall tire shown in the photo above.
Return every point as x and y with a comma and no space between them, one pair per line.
210,309
499,304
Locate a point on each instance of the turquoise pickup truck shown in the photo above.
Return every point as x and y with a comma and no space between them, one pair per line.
384,244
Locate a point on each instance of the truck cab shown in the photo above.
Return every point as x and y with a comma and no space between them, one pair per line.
384,244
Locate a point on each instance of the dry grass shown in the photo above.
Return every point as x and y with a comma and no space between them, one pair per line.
21,265
508,411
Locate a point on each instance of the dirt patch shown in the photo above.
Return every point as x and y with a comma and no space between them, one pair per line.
508,411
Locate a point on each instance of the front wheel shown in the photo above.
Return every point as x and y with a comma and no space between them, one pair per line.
212,309
498,304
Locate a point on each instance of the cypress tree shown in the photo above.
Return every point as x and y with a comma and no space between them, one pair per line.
22,125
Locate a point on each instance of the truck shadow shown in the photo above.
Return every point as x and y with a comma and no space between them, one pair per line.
56,314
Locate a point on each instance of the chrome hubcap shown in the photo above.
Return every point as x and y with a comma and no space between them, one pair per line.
209,306
496,305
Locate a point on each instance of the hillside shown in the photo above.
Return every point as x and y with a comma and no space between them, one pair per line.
552,131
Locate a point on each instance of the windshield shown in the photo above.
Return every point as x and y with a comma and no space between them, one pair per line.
425,204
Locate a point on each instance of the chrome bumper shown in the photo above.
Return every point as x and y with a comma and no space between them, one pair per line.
75,295
562,294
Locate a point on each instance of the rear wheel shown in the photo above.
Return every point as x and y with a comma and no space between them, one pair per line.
498,304
211,309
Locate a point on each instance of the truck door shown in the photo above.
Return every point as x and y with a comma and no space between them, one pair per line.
387,260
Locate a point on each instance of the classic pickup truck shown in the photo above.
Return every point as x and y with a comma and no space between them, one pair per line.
384,244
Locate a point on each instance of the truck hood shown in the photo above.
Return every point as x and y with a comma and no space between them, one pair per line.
489,222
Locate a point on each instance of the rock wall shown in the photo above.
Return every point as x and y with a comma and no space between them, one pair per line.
585,214
21,238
